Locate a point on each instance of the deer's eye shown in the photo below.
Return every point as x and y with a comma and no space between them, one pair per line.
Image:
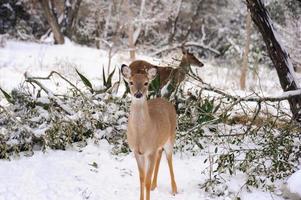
131,83
146,83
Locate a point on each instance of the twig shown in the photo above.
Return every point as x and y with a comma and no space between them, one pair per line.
254,118
49,93
61,76
174,24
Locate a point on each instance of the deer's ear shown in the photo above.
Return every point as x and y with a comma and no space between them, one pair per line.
126,72
152,73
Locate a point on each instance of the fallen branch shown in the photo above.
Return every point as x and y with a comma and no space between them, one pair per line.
284,96
61,76
49,93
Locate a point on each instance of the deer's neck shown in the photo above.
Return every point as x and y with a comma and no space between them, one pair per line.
139,111
184,65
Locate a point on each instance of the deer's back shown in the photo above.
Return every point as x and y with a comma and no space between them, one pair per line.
141,67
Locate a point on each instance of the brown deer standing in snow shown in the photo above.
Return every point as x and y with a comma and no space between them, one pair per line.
166,74
151,129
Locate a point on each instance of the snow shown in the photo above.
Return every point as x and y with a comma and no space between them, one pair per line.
73,174
259,195
236,183
93,173
294,183
40,59
70,175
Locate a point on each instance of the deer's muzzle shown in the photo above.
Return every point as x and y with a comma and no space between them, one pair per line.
138,95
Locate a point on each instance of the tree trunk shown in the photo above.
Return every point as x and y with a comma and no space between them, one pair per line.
52,20
244,69
139,27
131,41
277,54
130,30
70,13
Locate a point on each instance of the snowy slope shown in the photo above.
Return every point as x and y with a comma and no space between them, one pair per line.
39,59
294,183
61,175
70,175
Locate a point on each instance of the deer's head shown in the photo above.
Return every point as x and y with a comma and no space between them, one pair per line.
190,58
138,82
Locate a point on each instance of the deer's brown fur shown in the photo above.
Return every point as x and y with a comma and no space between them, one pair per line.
166,73
151,129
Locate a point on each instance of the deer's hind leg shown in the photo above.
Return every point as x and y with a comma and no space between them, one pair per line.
168,148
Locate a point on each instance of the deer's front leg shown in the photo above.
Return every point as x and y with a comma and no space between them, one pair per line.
141,167
158,159
151,159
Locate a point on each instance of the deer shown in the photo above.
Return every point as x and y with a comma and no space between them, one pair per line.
151,129
177,75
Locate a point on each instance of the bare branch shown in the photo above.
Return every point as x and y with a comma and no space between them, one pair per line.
284,96
50,94
187,44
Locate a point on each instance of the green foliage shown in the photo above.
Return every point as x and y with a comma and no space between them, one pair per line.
154,88
275,156
127,88
263,152
107,82
206,111
85,81
7,96
59,129
170,89
63,133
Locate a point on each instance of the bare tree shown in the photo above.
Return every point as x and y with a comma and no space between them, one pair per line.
244,69
65,26
53,22
130,30
139,26
71,8
277,54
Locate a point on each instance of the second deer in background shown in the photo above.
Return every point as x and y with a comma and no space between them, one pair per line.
173,76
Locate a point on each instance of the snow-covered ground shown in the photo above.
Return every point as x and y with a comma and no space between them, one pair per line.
92,172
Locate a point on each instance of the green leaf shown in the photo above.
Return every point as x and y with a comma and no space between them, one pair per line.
85,80
217,107
104,77
7,96
127,88
109,81
94,164
154,87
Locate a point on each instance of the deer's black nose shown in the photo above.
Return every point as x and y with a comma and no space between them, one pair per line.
138,95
